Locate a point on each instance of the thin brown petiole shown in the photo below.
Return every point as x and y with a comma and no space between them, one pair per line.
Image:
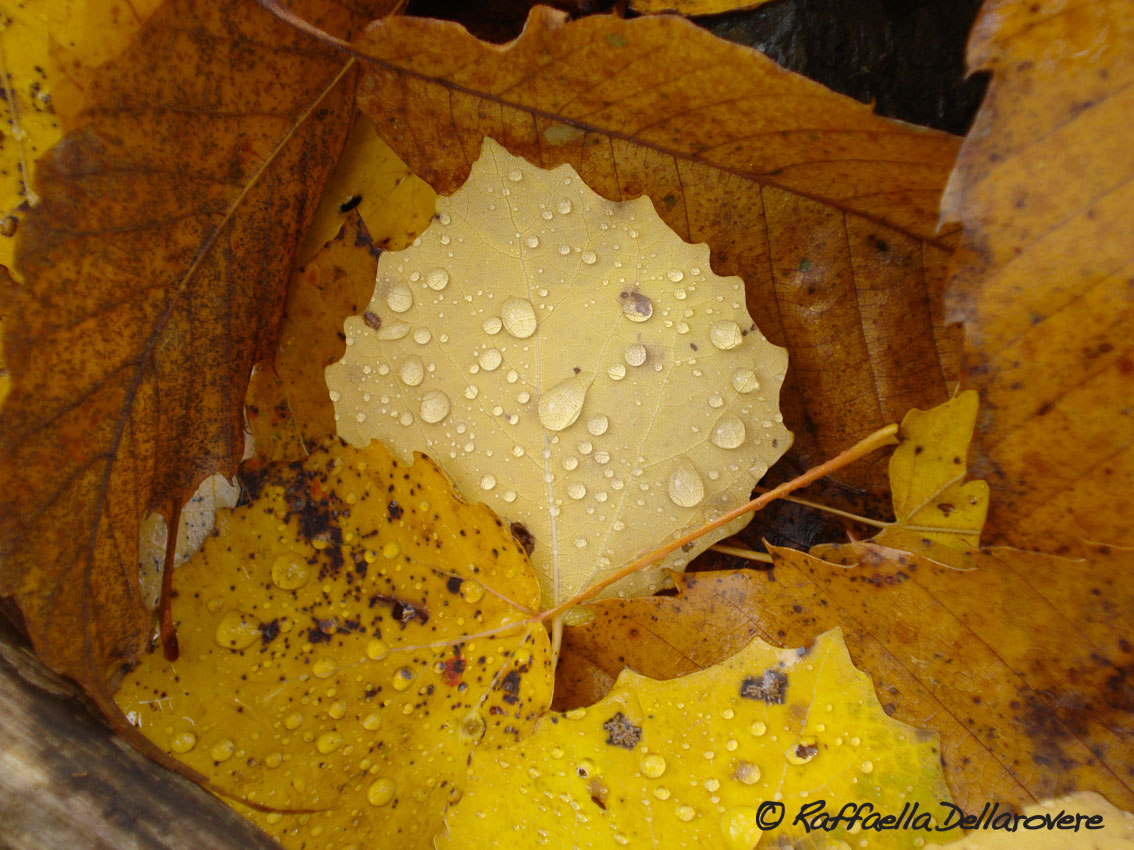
169,645
737,552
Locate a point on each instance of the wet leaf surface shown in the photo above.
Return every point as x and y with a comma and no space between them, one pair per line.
322,664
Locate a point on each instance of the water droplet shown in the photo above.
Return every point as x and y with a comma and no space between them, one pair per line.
588,257
564,250
745,381
758,728
381,791
403,677
635,354
406,419
652,766
747,773
492,325
867,767
570,463
392,330
237,631
399,298
509,496
290,572
323,668
661,792
576,490
686,489
335,395
636,307
598,424
728,433
740,828
222,750
471,592
564,206
437,279
518,317
490,359
328,742
391,549
372,722
725,334
686,813
434,406
803,751
715,401
422,335
293,721
515,175
576,714
183,742
676,275
616,372
274,759
561,405
531,241
487,482
337,709
412,371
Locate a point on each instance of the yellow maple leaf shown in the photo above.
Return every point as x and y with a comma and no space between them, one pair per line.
322,666
707,760
574,364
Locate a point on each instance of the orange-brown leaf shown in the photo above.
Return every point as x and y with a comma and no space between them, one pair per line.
826,210
153,276
1017,664
1043,279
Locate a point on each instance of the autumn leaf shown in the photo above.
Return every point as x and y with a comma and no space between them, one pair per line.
1042,278
324,665
827,211
574,364
1116,826
938,514
691,8
152,277
691,762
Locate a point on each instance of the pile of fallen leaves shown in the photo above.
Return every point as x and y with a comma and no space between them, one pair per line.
511,334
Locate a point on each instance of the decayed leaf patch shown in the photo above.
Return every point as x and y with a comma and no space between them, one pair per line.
688,763
571,362
152,277
828,212
322,661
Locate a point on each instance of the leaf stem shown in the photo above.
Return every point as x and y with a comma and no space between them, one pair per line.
865,520
882,437
738,552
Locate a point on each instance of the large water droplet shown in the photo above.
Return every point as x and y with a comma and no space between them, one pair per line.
237,631
576,490
740,828
686,489
747,773
725,334
324,668
676,275
652,766
381,791
598,424
490,359
636,307
290,572
399,298
437,279
561,405
487,481
745,381
616,372
588,257
183,742
434,406
635,354
392,330
728,433
328,742
492,325
564,206
403,678
412,371
518,317
222,750
422,335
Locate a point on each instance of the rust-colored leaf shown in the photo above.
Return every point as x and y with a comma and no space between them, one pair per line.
288,406
1043,277
1020,665
826,210
153,274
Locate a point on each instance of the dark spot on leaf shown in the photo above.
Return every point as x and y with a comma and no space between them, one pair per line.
269,631
453,584
349,204
372,319
522,536
620,732
806,751
769,687
510,685
805,265
394,510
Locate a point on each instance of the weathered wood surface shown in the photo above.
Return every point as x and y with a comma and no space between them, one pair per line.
66,782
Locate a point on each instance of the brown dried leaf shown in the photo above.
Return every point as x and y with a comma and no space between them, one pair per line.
826,210
1043,277
154,271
